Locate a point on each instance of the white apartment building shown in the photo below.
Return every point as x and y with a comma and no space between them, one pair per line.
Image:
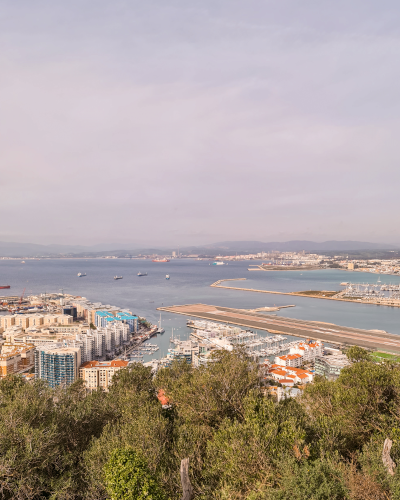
309,351
295,360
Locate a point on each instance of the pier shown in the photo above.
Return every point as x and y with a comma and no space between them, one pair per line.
316,330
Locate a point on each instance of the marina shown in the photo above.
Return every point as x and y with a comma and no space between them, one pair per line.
327,332
227,336
364,293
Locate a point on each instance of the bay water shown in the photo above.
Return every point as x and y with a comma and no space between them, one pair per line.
189,283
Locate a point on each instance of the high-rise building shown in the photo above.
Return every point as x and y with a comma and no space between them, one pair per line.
57,365
129,319
101,318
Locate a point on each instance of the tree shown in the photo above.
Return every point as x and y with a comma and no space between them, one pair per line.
144,322
356,354
127,477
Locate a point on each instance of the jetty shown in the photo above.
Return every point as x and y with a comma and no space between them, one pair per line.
315,294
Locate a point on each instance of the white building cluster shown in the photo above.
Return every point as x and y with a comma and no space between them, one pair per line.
301,353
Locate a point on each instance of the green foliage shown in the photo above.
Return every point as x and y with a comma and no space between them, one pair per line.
356,354
210,394
307,480
144,322
127,477
67,444
243,454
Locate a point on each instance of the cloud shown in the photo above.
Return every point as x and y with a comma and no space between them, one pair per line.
178,123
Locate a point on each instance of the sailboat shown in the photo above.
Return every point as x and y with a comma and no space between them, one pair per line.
160,330
172,338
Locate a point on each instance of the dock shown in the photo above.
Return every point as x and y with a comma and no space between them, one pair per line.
316,330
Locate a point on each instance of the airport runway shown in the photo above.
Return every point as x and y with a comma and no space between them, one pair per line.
327,332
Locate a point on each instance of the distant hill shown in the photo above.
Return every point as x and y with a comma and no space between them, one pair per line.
299,245
33,250
225,247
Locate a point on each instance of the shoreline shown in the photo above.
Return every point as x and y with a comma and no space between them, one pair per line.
217,284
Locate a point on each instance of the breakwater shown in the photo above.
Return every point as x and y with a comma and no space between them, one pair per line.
323,294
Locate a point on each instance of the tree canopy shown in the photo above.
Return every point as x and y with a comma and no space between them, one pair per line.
326,444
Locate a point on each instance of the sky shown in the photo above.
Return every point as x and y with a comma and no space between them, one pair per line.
176,122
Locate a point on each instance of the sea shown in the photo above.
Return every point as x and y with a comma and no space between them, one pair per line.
189,283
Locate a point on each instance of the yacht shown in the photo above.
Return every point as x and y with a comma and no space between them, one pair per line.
118,277
141,274
167,277
81,275
160,329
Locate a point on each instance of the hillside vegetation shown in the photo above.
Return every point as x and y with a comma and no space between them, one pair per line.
326,445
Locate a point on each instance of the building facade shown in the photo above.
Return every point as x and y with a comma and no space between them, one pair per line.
331,366
289,360
57,365
99,374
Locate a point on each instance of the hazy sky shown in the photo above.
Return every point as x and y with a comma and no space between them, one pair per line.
189,122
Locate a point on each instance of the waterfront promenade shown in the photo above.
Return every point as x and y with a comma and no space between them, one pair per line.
327,332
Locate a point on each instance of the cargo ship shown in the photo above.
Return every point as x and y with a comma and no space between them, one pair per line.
161,260
5,286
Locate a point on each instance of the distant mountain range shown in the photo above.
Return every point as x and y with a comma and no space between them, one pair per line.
299,245
226,247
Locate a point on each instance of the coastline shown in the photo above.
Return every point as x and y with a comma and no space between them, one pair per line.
216,284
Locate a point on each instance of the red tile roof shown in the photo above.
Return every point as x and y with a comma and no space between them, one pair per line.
279,372
105,364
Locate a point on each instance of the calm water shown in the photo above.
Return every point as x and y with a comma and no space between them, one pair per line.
189,283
